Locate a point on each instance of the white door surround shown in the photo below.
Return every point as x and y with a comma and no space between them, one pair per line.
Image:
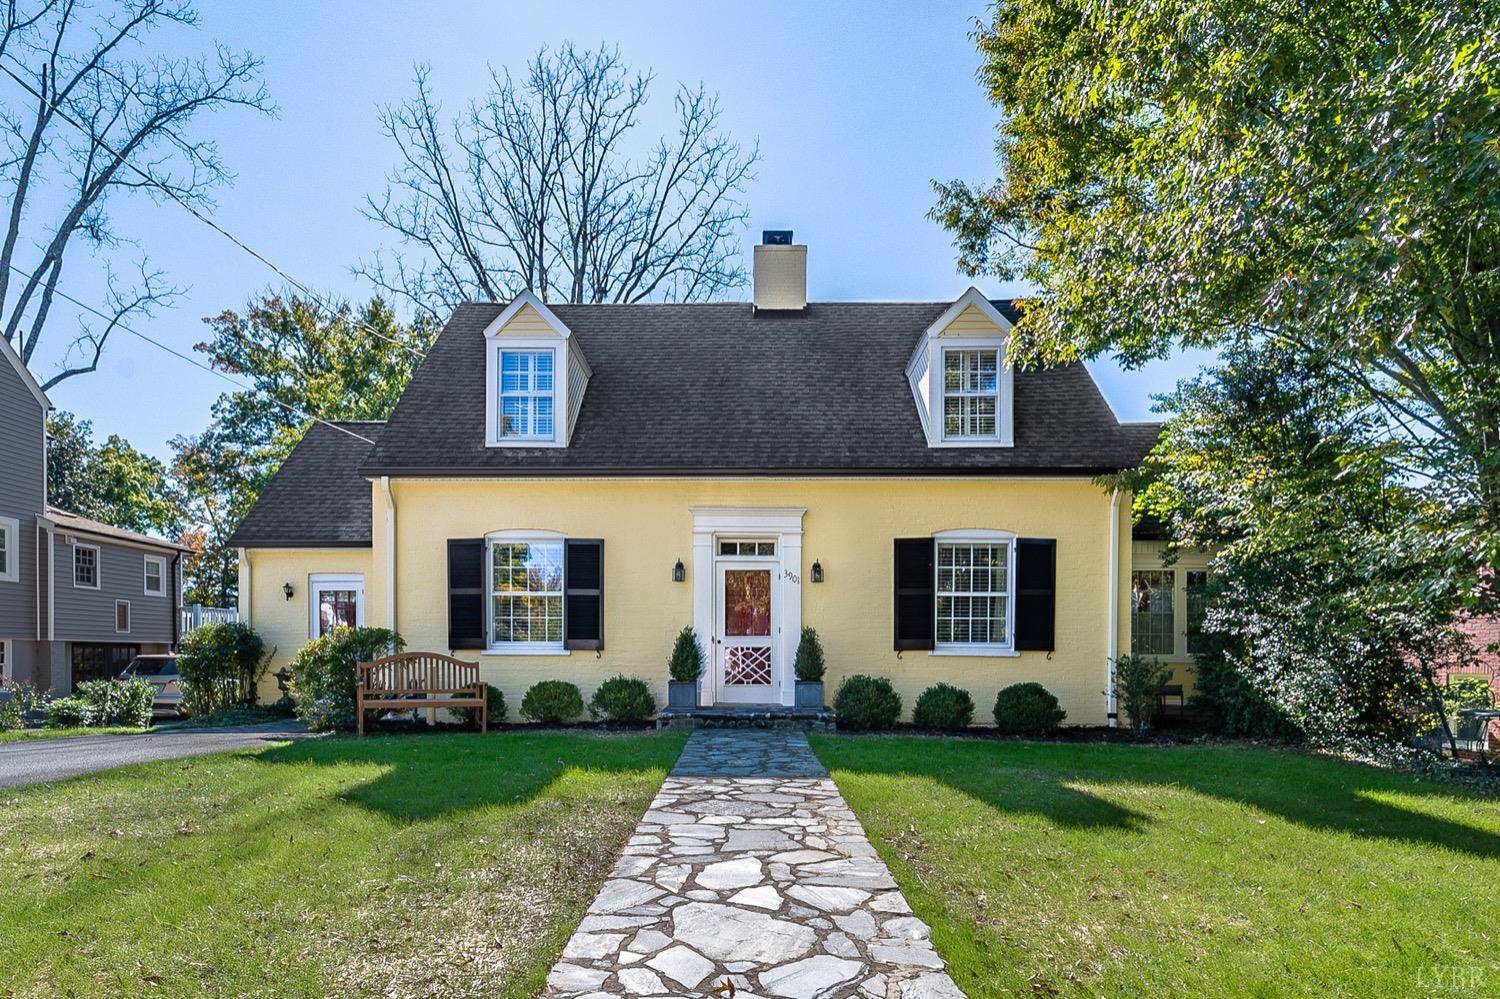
783,525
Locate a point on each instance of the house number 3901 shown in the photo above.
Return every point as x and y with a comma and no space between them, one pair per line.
791,576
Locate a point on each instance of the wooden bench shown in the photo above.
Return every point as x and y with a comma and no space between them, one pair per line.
413,680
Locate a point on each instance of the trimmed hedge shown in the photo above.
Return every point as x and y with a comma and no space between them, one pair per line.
808,666
622,699
222,664
945,707
1027,709
552,701
867,703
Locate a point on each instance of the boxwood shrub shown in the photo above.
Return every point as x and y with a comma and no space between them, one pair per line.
1027,709
943,706
623,699
867,703
552,701
494,700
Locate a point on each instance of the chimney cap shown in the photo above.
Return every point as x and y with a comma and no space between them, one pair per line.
776,237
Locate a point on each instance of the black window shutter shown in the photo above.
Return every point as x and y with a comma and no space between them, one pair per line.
1036,594
583,595
914,593
466,593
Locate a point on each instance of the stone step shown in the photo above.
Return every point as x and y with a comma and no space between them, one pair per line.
762,716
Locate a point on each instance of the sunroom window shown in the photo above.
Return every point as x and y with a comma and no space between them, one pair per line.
1153,629
973,594
526,594
526,393
971,392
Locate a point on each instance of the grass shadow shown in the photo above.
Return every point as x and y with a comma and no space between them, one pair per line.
428,776
1034,778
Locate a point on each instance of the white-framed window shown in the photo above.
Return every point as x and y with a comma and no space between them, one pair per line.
1153,618
122,617
971,392
334,601
525,612
10,550
156,576
7,668
85,566
528,394
975,592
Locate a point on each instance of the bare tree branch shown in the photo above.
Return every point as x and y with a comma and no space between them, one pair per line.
551,196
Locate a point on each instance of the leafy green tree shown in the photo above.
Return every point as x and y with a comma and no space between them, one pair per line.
110,482
1323,176
301,363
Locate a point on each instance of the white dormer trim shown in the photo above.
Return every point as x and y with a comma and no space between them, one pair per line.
570,372
924,372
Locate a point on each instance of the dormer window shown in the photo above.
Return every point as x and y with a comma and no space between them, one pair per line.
536,377
961,379
527,388
971,392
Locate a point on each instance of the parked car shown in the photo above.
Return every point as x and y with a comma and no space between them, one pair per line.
161,672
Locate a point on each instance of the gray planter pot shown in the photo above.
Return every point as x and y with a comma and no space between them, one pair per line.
681,696
810,694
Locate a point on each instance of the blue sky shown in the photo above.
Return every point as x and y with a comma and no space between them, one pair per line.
857,108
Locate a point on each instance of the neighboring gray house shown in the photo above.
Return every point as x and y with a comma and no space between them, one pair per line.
78,599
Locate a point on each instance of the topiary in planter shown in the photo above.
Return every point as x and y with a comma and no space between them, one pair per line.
686,662
867,703
1027,709
808,666
945,707
623,699
552,701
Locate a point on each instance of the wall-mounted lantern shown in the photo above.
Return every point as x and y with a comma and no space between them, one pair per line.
287,591
679,572
817,571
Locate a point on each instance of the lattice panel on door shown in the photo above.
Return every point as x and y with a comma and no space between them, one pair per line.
746,665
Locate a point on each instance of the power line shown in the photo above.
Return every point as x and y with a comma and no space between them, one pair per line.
194,361
193,210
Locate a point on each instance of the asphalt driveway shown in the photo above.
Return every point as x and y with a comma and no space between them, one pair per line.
32,761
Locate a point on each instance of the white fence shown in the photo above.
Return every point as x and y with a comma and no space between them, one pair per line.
195,614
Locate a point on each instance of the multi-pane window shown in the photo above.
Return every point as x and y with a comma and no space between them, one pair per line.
732,548
973,594
1152,631
4,659
526,393
526,593
1196,585
156,576
7,551
971,391
86,566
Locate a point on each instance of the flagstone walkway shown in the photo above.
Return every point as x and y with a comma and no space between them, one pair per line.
749,867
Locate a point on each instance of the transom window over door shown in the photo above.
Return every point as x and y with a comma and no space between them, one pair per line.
526,593
971,392
973,594
526,393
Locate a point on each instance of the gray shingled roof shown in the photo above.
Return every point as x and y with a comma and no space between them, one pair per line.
318,498
67,520
716,389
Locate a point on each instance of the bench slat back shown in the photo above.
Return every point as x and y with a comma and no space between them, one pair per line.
417,671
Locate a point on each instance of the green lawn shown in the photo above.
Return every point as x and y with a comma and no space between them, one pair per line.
1073,870
442,865
22,734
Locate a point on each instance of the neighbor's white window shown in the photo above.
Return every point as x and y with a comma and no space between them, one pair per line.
971,392
10,550
526,594
86,566
526,393
5,666
974,594
122,617
156,576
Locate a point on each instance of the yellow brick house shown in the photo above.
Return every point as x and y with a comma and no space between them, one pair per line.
562,488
